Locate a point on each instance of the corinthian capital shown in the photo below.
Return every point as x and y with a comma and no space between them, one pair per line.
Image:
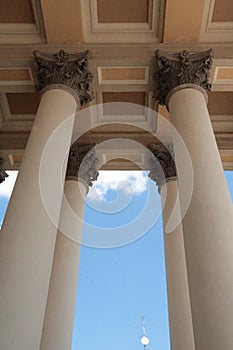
3,174
65,69
162,164
180,68
82,163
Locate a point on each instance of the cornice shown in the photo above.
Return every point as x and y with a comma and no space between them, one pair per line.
23,51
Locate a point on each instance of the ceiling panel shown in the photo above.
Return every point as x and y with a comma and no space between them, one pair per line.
217,23
183,20
220,103
123,75
135,98
225,73
122,21
17,76
130,97
123,11
16,11
63,22
223,11
23,103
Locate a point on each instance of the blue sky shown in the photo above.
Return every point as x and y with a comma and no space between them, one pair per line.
117,286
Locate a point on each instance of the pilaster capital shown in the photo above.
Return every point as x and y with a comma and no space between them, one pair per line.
3,174
67,70
162,164
182,68
82,163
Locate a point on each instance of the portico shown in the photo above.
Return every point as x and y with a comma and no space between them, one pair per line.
73,77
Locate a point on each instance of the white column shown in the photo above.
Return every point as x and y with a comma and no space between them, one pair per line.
59,317
208,223
163,172
60,309
180,318
27,238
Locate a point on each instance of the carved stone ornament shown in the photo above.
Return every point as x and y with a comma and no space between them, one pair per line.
3,174
162,164
65,69
82,163
179,68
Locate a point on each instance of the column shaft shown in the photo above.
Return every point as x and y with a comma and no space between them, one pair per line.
207,225
28,236
60,309
180,318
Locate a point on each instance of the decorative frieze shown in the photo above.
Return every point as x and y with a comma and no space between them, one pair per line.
66,69
82,163
180,68
3,174
162,164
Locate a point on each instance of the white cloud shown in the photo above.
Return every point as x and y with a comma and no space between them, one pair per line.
6,187
130,182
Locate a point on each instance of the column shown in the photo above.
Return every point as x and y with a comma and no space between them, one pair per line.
28,235
180,319
60,309
208,223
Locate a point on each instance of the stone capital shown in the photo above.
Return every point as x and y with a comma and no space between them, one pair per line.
82,163
3,174
162,164
64,69
180,68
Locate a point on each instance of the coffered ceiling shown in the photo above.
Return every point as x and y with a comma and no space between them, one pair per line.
122,36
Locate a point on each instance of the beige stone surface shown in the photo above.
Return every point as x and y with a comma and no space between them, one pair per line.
179,308
28,235
207,225
60,309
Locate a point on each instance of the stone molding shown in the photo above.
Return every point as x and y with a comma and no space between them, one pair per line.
162,164
65,69
3,174
82,163
179,68
186,86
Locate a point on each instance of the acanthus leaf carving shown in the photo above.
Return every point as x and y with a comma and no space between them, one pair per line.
82,163
180,68
162,163
65,69
3,174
